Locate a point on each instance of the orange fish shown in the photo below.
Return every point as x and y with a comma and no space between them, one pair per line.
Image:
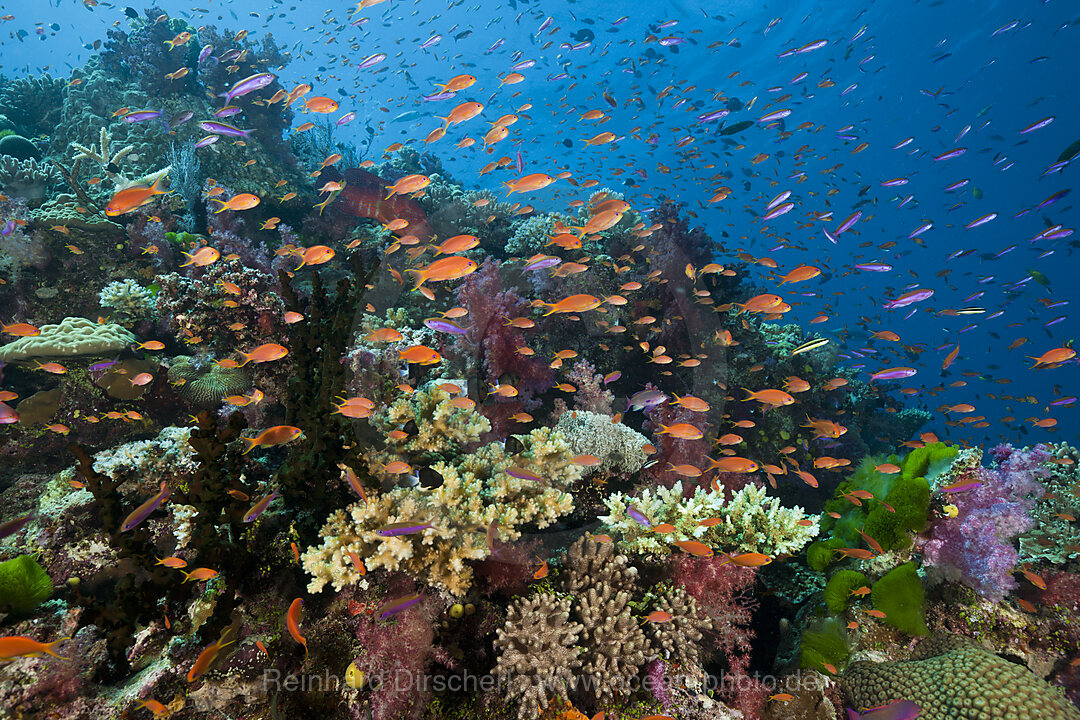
277,435
292,618
128,199
457,83
207,656
449,268
243,201
20,330
733,464
681,431
747,559
695,548
14,646
773,398
264,353
321,104
464,111
202,257
420,355
572,304
199,574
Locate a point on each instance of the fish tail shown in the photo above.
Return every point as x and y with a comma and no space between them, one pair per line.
223,205
48,647
252,444
246,360
421,278
170,44
551,311
751,395
191,259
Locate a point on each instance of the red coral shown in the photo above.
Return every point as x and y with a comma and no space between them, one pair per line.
395,659
511,570
492,346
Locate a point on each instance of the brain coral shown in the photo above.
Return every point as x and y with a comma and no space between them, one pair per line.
952,679
204,383
71,338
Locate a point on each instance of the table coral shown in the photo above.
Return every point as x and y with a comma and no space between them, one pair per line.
750,521
951,679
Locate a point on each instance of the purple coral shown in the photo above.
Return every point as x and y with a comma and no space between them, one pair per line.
977,547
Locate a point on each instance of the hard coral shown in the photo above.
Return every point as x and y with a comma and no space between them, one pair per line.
538,652
951,679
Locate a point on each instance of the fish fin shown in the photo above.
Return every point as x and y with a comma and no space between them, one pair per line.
252,443
420,278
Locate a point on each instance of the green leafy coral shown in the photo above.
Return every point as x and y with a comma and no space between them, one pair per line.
839,588
23,584
899,594
749,522
825,643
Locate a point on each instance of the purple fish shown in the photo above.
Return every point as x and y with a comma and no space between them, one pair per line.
905,201
847,224
638,516
544,261
778,211
392,607
228,111
714,115
143,511
230,56
523,65
495,46
9,227
402,528
140,116
908,298
874,267
444,325
433,40
799,78
949,155
16,524
1037,125
102,366
902,143
645,399
981,221
776,115
439,96
258,508
612,377
920,230
899,710
204,53
249,85
371,60
816,45
893,373
347,117
957,185
1052,199
895,182
223,129
208,140
520,474
671,40
830,236
180,118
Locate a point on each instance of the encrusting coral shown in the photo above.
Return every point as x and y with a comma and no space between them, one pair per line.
476,491
952,679
538,652
72,337
750,521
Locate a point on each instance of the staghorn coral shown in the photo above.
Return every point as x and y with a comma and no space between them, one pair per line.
440,426
676,640
128,297
475,491
619,447
72,337
105,157
27,179
538,653
204,383
951,679
751,521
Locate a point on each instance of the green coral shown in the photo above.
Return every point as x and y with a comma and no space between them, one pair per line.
749,522
908,503
839,588
929,461
204,383
825,643
23,584
821,553
899,594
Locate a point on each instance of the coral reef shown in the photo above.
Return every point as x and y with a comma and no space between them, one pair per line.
128,297
27,179
73,337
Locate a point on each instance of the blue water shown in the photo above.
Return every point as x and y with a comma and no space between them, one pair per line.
922,70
